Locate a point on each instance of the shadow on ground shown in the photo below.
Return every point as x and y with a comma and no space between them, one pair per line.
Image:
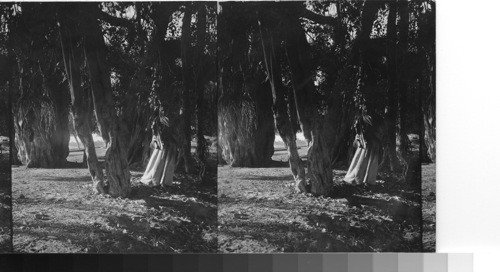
259,212
55,211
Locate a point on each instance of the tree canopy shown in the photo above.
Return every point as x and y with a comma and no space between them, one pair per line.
121,70
329,67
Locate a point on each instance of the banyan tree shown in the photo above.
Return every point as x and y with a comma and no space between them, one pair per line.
40,119
134,71
183,71
83,44
40,100
341,62
246,129
126,71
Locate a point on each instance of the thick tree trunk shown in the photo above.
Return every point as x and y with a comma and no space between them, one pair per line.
81,117
138,145
245,119
200,80
134,120
116,155
187,89
317,128
265,133
403,79
429,116
200,83
8,79
318,165
59,96
171,134
80,101
271,49
41,123
299,59
339,116
428,80
38,149
337,129
246,129
392,109
430,132
14,154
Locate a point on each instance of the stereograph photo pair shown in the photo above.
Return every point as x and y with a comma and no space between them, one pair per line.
250,127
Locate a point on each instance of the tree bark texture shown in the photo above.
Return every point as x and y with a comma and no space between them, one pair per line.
41,107
81,103
271,51
201,146
171,131
246,131
428,79
299,58
392,109
403,78
41,122
117,169
245,117
187,84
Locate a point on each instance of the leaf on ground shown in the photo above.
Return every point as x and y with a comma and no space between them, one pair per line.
241,216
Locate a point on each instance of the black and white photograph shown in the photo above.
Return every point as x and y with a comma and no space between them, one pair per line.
115,122
326,117
303,126
149,133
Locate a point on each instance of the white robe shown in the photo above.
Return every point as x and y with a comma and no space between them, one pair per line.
161,165
364,165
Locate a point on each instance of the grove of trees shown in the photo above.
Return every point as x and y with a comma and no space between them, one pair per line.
123,70
316,68
243,71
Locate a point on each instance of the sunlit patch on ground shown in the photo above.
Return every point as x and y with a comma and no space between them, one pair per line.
55,211
258,212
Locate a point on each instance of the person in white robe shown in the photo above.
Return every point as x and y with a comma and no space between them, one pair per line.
365,163
161,165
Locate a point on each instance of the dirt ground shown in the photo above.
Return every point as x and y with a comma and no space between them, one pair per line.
5,202
258,212
429,206
54,211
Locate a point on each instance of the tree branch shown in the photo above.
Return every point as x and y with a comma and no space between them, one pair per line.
116,21
317,18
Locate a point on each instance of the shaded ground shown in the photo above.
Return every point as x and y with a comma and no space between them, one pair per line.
258,212
429,206
5,201
55,211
